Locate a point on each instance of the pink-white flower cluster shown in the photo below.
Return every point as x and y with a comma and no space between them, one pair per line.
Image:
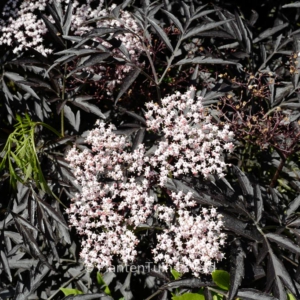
118,186
21,28
191,144
192,242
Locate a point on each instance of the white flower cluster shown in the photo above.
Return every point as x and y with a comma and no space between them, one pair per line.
21,28
118,186
192,242
192,144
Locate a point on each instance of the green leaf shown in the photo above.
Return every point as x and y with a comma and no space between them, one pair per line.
221,279
176,274
68,292
102,283
291,297
189,296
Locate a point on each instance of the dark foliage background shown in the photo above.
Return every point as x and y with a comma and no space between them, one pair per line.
245,64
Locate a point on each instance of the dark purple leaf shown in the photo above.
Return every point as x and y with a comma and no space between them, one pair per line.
205,27
269,32
52,212
205,60
53,31
130,78
138,138
16,77
243,31
283,242
160,32
237,271
293,206
5,265
192,283
74,121
82,102
93,60
67,19
244,182
99,296
258,202
174,20
202,13
252,294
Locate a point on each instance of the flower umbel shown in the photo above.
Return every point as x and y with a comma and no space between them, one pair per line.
122,188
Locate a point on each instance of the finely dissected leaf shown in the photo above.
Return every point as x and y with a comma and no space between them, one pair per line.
283,242
68,19
58,10
186,11
57,16
293,206
74,121
79,52
295,4
53,31
239,228
269,32
296,49
177,185
227,26
201,14
154,9
16,77
280,273
258,202
189,296
23,222
138,138
93,60
160,32
243,30
36,282
274,195
104,30
134,115
127,131
46,227
253,18
281,92
130,78
6,91
204,27
252,294
16,237
237,271
216,33
116,11
5,265
221,279
52,212
205,60
174,19
82,102
189,283
31,242
244,182
100,296
22,263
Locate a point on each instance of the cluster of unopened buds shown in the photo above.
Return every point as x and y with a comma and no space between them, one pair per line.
120,189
